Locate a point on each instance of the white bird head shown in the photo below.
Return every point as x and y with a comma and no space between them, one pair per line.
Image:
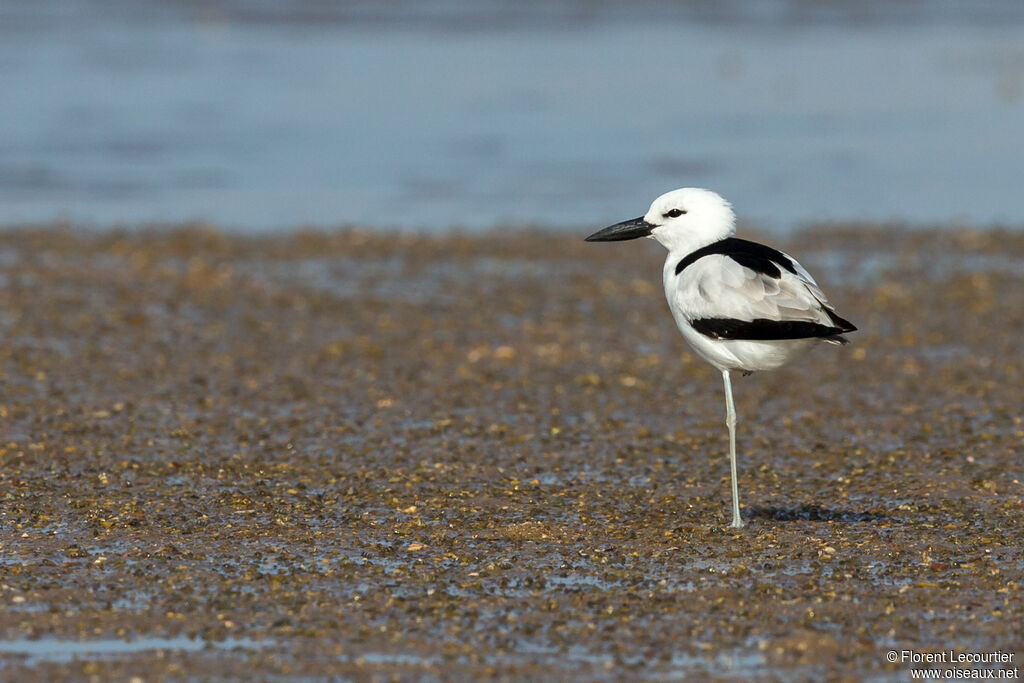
682,220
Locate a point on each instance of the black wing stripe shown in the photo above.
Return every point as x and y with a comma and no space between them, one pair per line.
758,257
762,329
843,324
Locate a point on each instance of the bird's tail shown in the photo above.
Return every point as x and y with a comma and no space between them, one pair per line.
837,339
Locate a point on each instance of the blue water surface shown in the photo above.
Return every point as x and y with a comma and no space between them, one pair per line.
262,116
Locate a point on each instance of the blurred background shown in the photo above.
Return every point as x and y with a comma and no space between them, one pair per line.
431,114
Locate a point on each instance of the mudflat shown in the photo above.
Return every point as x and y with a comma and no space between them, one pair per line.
493,456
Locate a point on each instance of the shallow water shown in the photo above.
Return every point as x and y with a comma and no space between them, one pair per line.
439,114
64,651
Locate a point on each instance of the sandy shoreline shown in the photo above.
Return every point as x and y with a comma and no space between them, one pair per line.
466,456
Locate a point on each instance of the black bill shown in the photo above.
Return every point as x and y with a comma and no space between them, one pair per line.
626,230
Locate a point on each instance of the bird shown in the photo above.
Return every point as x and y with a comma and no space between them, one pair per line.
742,306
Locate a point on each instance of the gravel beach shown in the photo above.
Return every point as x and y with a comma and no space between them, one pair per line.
493,456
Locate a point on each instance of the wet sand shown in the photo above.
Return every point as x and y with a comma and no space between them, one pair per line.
463,457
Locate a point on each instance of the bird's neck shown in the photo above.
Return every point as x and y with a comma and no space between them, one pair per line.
682,243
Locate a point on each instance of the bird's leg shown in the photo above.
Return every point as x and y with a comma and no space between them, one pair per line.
730,421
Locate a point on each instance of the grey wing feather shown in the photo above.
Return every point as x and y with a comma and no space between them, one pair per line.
718,287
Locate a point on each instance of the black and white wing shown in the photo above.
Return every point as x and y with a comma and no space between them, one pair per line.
736,289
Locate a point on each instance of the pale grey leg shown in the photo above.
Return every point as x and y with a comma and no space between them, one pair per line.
730,421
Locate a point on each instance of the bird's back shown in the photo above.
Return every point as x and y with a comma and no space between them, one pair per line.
744,305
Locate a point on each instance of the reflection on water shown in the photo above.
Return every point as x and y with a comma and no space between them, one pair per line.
63,651
441,113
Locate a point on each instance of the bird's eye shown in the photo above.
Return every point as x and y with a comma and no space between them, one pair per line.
675,213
